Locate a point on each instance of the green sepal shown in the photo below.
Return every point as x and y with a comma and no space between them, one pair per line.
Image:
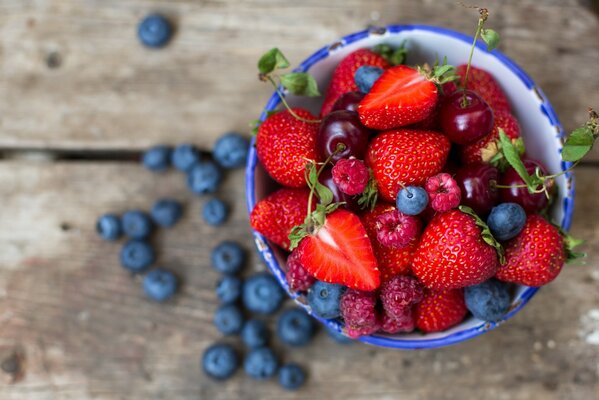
370,195
491,38
485,233
394,56
271,60
300,84
570,242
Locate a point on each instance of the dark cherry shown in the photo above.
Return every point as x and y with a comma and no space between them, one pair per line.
531,202
351,202
348,101
342,127
465,123
477,184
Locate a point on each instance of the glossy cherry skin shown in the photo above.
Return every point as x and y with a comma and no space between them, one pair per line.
342,127
477,184
465,123
531,202
351,202
348,101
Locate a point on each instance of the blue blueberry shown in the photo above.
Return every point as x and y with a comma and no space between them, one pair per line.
204,177
220,361
489,300
412,200
255,333
230,150
166,212
160,284
338,336
154,31
109,227
215,212
157,158
228,319
136,224
291,376
228,289
228,257
365,77
185,156
262,294
295,327
137,255
261,363
506,220
324,298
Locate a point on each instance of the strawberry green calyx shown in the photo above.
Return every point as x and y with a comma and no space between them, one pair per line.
370,195
485,233
570,242
438,74
394,56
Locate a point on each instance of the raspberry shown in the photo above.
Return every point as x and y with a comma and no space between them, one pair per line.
358,309
298,278
399,293
396,230
443,192
404,323
351,176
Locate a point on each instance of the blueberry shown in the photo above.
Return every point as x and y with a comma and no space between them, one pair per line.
412,200
260,363
228,257
338,336
228,289
160,284
109,227
220,361
324,298
489,300
365,77
228,319
215,212
204,177
262,293
506,220
255,333
137,255
157,158
230,150
136,224
291,376
185,156
154,31
295,327
166,212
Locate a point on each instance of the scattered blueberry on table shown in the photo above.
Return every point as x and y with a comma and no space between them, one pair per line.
204,177
166,212
160,284
295,327
185,156
262,294
215,212
220,361
157,158
261,363
291,376
109,227
137,255
228,319
230,150
255,333
228,289
154,31
228,257
136,224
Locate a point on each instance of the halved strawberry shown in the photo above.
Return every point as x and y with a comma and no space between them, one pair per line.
340,252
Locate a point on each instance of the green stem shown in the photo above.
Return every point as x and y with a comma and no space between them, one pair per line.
287,106
484,14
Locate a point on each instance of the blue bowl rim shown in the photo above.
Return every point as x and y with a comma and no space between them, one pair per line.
380,340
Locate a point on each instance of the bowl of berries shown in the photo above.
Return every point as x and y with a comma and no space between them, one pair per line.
418,203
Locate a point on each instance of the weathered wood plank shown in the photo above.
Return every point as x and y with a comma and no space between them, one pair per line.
86,332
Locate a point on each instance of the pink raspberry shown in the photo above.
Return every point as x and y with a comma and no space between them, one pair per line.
399,293
405,323
298,278
443,192
358,309
350,175
396,230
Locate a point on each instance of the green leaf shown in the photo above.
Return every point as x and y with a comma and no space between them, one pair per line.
296,235
370,195
578,144
485,233
271,60
324,194
512,156
491,38
300,83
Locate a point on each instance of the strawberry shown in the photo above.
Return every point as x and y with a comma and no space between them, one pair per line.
275,215
405,156
285,143
340,252
401,96
452,253
342,80
534,257
440,310
484,84
391,261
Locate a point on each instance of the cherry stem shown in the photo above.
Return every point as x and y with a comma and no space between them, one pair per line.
484,14
287,106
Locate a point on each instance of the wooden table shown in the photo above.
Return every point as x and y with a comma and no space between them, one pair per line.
80,98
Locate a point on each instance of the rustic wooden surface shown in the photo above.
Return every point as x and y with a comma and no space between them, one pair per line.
74,325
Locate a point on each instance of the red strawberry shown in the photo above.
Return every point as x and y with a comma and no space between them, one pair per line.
284,143
400,97
484,84
452,253
275,215
534,257
391,261
484,149
340,252
405,156
342,80
440,310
